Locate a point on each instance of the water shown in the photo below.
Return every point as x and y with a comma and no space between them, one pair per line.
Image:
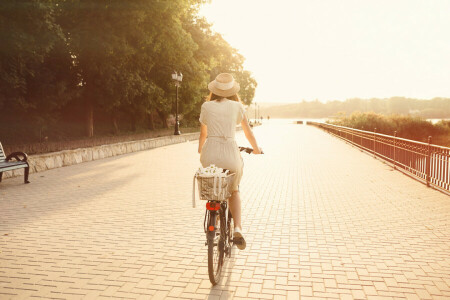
321,120
291,121
434,121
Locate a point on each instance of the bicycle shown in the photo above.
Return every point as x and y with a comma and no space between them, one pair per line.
218,226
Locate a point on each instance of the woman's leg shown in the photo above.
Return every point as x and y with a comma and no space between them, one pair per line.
235,206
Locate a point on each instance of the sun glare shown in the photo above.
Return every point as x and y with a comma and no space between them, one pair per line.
339,49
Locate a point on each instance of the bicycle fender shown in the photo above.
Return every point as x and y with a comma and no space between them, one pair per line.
212,222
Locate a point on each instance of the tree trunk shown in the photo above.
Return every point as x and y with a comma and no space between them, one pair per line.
151,123
163,118
89,119
115,124
133,123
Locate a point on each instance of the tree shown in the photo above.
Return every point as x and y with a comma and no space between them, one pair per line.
248,86
110,59
35,66
95,32
125,51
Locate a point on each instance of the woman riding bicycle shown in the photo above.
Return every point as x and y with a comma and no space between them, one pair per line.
219,116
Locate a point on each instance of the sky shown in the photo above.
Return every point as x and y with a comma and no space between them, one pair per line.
339,49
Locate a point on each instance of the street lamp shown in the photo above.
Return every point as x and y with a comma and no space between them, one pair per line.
177,78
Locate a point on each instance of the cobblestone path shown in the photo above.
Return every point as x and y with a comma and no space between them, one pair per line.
321,219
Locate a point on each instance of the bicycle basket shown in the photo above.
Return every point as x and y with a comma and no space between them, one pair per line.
214,188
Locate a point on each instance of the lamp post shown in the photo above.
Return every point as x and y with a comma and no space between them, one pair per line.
177,78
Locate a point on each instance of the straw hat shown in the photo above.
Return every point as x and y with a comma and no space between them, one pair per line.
224,85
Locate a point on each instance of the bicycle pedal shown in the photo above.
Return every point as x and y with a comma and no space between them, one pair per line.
236,241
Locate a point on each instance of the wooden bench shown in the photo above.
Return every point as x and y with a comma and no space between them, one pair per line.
20,161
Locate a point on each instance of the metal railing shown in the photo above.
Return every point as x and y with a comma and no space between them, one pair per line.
426,162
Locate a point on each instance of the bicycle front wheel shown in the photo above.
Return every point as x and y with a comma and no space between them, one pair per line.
215,247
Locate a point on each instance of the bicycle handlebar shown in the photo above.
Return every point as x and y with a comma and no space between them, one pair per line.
248,150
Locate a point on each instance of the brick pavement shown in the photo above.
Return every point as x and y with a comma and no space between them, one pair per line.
322,220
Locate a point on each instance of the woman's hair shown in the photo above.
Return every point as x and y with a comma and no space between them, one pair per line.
213,97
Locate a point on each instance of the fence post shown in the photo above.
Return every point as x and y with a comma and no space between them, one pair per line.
395,140
428,161
360,138
374,141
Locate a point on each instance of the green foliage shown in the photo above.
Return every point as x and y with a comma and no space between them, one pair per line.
32,57
61,61
408,127
248,86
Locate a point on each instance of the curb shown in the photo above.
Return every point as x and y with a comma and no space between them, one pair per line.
53,160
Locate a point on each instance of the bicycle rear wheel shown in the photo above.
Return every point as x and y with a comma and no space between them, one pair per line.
216,246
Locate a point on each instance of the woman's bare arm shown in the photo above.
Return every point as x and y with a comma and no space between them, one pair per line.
202,138
249,135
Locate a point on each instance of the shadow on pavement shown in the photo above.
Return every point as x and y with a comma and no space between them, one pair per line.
227,269
57,190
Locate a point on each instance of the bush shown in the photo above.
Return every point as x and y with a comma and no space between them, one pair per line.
408,127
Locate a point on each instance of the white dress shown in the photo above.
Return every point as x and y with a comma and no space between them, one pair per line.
220,148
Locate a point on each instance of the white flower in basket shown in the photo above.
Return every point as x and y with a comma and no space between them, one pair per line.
213,183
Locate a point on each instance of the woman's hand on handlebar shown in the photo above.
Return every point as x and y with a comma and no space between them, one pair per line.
258,151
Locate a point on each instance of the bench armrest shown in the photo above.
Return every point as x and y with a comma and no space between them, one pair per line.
19,156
